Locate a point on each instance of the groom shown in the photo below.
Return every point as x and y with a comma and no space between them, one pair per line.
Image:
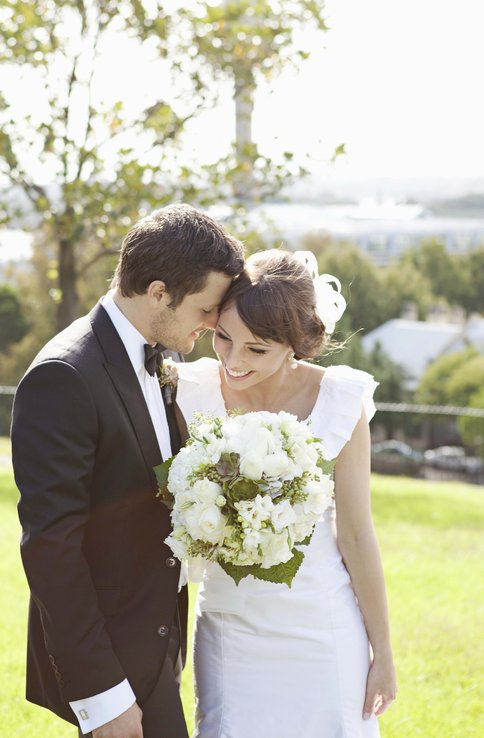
106,621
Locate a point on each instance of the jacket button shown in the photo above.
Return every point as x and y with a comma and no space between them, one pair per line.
170,562
163,630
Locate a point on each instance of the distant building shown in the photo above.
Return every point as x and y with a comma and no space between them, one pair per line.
383,230
414,344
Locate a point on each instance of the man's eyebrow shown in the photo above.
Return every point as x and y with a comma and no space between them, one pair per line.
247,343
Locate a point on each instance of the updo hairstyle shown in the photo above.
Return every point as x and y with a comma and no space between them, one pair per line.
275,298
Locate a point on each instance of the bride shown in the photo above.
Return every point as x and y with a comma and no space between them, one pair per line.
313,660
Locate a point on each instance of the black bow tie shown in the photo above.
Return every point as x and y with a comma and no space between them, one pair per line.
153,357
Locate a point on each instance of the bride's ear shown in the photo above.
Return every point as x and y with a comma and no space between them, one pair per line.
157,291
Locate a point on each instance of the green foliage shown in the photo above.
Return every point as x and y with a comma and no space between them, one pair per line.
458,379
472,428
247,38
465,381
161,473
278,574
13,325
456,278
434,384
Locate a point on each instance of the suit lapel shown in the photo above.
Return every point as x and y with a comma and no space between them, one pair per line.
124,378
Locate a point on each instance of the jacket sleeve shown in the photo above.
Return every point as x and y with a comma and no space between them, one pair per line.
54,438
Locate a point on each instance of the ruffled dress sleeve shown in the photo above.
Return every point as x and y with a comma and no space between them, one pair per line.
199,389
343,395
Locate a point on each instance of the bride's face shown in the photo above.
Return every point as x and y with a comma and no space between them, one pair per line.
246,359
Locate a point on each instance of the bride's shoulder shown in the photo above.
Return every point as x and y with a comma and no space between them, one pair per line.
198,371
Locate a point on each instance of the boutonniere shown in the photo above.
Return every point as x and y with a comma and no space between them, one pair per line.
168,380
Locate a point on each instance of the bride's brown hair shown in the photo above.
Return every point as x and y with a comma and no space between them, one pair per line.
275,298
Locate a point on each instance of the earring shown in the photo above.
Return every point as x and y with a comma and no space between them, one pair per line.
293,361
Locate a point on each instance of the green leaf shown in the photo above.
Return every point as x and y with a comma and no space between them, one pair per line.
307,540
243,489
327,467
161,472
279,574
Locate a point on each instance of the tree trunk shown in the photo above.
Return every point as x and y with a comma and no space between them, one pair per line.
67,309
244,147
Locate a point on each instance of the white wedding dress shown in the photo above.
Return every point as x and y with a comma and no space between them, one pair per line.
274,662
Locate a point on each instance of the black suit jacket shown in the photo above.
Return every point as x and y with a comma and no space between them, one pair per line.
103,584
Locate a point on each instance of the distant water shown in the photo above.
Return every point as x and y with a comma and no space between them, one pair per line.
381,228
293,221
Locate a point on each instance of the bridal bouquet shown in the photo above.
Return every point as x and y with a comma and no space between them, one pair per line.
245,491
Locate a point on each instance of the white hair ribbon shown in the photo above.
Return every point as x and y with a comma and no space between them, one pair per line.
330,303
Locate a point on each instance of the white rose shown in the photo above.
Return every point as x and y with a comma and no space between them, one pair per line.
206,523
205,491
275,548
251,464
184,500
276,465
282,516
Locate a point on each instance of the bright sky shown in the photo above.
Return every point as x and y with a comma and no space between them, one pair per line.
399,81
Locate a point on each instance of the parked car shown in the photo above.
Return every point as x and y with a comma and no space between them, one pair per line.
396,457
454,458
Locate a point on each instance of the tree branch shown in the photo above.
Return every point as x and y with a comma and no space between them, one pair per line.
83,268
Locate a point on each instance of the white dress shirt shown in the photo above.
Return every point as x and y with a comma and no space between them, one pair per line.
92,712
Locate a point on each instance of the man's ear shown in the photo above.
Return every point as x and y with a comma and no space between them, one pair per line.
157,291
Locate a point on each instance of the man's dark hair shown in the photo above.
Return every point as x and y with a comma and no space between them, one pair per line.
180,246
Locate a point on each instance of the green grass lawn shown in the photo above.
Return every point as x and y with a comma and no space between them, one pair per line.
432,545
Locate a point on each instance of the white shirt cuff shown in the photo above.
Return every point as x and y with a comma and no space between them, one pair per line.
95,711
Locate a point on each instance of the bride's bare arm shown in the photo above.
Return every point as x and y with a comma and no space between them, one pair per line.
359,548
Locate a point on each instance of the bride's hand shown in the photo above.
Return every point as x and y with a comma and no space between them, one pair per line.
381,687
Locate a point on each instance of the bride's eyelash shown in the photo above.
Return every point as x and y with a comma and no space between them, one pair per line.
260,352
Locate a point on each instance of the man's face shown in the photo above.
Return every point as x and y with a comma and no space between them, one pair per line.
178,328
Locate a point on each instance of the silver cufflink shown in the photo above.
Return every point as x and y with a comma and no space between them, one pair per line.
84,714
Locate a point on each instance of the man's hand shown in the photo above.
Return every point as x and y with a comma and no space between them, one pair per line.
126,725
